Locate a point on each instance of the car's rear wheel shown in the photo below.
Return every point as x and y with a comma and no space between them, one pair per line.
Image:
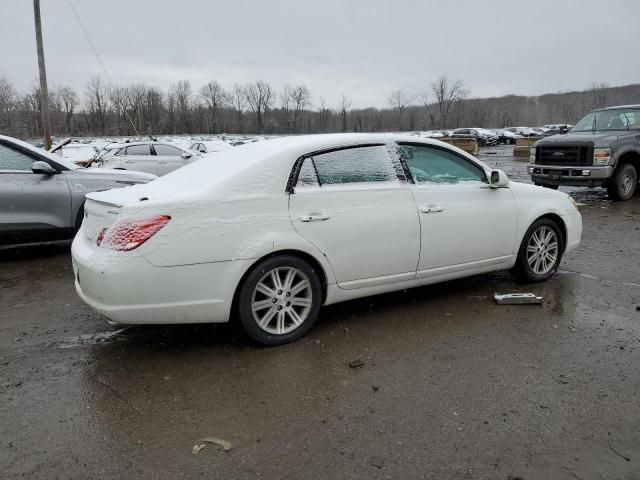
623,184
540,252
279,300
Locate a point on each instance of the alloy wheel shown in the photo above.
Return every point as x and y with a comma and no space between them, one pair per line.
542,250
281,300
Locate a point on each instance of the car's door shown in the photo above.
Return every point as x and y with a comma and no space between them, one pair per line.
139,158
170,158
33,206
463,220
355,206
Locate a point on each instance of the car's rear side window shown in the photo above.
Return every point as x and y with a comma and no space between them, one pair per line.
436,165
367,164
11,159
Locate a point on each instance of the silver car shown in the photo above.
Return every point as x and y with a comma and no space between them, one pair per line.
42,195
158,158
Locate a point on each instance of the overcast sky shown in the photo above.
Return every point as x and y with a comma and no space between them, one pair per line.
364,49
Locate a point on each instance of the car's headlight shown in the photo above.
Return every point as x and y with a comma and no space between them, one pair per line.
532,155
601,156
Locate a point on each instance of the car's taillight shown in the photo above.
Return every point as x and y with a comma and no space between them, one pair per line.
101,236
130,234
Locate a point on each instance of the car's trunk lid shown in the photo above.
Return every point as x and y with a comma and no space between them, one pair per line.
97,217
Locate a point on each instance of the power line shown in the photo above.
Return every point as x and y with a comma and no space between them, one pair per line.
95,52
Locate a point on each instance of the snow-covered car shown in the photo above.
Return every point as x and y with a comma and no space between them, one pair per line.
271,231
78,153
210,146
158,158
42,195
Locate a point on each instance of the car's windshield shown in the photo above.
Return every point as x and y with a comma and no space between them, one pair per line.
616,119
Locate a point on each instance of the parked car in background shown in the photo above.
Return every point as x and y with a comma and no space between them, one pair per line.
603,149
506,137
42,195
210,146
271,231
78,153
158,158
470,133
490,138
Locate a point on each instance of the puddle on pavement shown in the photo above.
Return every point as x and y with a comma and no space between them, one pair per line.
92,339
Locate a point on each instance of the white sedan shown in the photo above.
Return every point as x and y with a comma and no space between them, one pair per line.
273,230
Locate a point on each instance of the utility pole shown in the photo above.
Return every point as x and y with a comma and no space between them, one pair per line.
44,94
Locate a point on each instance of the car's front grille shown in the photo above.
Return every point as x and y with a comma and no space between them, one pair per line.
579,155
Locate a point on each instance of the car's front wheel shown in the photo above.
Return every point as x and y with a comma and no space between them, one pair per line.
279,300
540,252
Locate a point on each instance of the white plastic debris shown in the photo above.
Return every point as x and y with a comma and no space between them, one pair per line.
517,298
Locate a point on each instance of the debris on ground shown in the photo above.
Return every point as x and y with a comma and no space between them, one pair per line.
357,363
573,329
226,446
377,462
517,299
375,388
197,448
628,459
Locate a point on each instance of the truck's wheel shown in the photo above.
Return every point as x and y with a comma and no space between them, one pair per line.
623,184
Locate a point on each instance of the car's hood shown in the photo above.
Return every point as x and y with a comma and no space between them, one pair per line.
590,138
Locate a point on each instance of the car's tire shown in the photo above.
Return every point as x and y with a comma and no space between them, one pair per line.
540,252
622,185
279,300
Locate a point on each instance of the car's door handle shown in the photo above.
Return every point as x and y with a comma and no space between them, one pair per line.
128,161
316,217
431,209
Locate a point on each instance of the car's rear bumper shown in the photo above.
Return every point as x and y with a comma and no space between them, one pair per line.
569,175
127,289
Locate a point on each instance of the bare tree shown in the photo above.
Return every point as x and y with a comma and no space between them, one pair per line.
294,101
215,98
447,93
238,102
8,100
259,96
181,92
97,102
68,101
399,101
599,94
345,105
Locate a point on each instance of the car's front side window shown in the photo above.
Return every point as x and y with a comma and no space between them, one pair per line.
138,150
11,159
432,165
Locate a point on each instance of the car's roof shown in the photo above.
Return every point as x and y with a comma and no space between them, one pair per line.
252,169
616,107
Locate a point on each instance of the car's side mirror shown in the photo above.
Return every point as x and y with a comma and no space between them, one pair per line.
42,167
186,155
498,179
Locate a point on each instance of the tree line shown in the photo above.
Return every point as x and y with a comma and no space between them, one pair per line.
257,107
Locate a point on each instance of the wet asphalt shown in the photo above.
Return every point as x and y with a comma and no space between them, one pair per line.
437,382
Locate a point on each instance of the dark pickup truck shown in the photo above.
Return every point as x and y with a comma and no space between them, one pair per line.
601,150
